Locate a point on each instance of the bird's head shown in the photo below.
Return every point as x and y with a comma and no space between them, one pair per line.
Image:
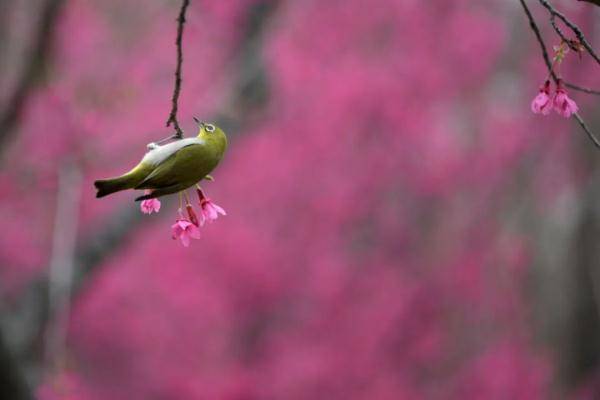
212,135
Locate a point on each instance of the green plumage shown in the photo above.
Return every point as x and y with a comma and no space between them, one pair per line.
173,167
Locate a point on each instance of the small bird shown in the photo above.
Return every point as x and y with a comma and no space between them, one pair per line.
172,167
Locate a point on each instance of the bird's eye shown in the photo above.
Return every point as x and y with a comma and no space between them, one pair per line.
209,128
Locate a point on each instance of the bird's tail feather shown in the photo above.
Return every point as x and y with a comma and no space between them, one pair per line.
109,186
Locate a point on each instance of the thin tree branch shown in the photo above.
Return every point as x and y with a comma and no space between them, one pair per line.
581,89
540,40
587,130
571,43
546,58
173,115
578,33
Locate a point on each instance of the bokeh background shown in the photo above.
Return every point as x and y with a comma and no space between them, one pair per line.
400,225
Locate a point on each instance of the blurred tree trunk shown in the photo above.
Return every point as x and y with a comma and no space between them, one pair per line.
24,50
582,345
566,276
12,383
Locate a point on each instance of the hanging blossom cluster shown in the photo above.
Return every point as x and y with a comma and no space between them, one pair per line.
187,227
560,102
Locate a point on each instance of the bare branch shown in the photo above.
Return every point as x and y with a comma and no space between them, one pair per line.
587,130
546,56
173,115
578,33
573,44
581,89
540,40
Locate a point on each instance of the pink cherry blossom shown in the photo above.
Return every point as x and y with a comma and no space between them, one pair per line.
209,211
564,105
542,103
184,230
149,206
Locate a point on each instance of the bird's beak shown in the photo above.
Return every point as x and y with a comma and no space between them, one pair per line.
200,123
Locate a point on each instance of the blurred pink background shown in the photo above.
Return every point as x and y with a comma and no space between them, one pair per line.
400,225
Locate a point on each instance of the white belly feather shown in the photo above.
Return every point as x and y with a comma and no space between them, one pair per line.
158,154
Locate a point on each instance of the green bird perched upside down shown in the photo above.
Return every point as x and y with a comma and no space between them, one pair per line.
173,167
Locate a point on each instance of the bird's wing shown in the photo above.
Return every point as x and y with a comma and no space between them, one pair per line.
159,154
169,172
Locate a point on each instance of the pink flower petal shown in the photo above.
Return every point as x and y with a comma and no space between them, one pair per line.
184,230
175,231
563,105
194,232
541,104
219,209
149,206
210,211
185,239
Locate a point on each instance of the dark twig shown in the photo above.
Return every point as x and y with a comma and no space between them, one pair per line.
578,33
587,130
546,58
173,115
581,89
539,38
571,43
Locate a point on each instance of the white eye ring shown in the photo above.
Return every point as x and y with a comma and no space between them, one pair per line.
209,128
